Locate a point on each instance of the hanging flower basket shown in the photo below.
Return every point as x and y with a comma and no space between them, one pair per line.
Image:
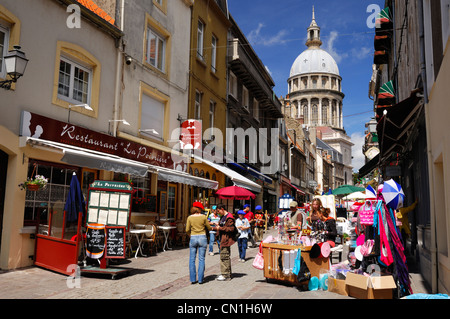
35,184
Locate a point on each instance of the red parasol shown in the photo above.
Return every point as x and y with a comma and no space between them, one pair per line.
235,192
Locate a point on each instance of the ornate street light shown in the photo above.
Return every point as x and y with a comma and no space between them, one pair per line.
15,63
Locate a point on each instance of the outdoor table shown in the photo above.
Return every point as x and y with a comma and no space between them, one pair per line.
140,233
271,252
166,232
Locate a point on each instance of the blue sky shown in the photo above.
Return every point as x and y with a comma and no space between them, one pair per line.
277,32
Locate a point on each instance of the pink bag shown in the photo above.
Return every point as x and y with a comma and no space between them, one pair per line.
366,214
258,262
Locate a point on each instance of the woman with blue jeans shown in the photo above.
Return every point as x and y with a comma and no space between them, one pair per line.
196,226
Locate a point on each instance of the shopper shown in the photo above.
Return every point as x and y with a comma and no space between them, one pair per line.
196,227
213,219
243,227
251,219
314,220
330,227
259,224
226,230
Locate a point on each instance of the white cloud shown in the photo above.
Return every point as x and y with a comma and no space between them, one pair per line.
361,53
358,160
332,50
255,37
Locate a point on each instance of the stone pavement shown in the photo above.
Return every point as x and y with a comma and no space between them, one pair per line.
164,276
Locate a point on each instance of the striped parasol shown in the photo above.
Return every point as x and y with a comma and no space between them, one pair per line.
393,194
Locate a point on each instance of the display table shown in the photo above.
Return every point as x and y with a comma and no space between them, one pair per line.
271,253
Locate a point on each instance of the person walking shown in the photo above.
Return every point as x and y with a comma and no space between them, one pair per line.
196,227
213,220
226,230
259,224
243,227
251,219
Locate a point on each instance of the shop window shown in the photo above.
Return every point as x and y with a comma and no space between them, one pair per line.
39,205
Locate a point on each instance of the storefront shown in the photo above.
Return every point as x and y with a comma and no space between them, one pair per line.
57,150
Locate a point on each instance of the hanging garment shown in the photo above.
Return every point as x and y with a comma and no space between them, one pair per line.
365,213
385,251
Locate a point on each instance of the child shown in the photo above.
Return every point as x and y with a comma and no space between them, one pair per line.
243,227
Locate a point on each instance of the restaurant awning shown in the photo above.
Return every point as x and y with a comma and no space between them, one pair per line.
297,189
395,126
237,178
258,175
175,176
97,160
91,159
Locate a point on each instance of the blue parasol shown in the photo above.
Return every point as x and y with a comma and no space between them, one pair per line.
75,200
393,194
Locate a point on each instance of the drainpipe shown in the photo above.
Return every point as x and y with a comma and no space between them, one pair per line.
118,90
433,246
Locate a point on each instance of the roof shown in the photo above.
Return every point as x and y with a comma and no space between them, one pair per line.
91,6
314,60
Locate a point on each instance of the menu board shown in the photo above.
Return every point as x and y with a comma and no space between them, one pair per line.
115,242
109,203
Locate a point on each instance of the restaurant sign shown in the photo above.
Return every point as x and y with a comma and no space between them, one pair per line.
38,126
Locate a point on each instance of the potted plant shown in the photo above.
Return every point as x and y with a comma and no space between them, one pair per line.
34,184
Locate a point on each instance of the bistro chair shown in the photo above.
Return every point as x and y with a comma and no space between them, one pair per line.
150,238
181,233
159,237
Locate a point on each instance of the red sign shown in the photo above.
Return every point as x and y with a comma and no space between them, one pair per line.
191,135
38,126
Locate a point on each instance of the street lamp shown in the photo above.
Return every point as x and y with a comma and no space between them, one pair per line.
84,106
15,64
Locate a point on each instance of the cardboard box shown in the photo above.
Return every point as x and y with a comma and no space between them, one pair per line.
362,287
337,286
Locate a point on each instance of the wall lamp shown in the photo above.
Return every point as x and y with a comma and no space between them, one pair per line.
149,130
84,106
15,64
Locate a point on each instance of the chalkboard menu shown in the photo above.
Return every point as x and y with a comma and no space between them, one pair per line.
115,242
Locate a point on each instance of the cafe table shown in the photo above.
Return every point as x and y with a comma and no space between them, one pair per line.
140,233
166,231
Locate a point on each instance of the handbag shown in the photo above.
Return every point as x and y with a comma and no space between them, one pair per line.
366,214
258,262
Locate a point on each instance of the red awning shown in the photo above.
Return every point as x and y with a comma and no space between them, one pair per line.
298,189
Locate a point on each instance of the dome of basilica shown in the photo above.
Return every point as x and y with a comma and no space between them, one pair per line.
314,60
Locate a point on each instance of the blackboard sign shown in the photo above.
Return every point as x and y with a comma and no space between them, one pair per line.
95,240
115,242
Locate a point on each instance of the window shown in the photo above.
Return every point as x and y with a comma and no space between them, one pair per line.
4,36
74,83
156,47
314,115
256,109
325,113
200,34
152,117
212,109
76,78
245,97
198,105
233,84
213,53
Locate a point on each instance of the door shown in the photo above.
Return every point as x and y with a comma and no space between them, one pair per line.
3,171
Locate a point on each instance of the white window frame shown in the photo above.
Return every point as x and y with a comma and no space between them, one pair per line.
74,65
233,85
245,98
4,50
198,105
158,37
213,53
200,39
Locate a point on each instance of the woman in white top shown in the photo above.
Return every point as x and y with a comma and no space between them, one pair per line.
243,226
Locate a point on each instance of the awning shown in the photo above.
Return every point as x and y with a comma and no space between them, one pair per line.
96,160
175,176
393,127
258,175
297,189
237,178
369,166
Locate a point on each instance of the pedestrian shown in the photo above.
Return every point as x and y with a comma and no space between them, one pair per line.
243,227
226,230
196,227
213,220
259,224
251,219
314,220
294,218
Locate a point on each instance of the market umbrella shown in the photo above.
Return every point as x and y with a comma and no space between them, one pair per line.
235,192
75,200
393,194
370,192
347,189
356,195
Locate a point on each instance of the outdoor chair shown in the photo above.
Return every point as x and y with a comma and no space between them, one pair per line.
150,238
181,234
